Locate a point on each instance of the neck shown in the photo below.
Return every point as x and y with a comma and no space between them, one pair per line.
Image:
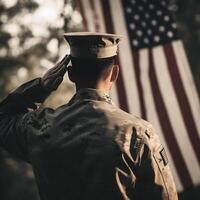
101,87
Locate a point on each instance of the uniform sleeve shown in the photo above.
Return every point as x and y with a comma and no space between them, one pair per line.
153,175
13,136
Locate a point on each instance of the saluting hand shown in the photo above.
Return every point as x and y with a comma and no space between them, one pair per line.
54,76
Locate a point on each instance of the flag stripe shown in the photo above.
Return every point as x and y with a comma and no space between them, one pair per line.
80,6
188,82
100,18
182,99
167,128
136,57
126,58
120,82
95,17
121,91
89,15
101,28
174,112
95,7
152,113
137,71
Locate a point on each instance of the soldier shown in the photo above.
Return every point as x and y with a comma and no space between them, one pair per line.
87,149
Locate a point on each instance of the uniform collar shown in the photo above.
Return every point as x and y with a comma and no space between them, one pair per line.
91,94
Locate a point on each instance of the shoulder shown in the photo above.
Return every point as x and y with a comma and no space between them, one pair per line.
123,118
126,125
118,117
39,120
133,128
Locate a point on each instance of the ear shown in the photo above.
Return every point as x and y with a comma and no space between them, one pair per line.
115,73
71,73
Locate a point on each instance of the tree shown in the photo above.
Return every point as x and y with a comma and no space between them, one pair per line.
29,44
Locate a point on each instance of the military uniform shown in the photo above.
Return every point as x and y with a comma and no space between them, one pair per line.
87,149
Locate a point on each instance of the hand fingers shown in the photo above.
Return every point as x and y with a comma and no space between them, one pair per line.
57,82
52,84
64,61
64,58
61,71
51,77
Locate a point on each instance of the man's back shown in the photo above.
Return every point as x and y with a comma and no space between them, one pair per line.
90,149
75,156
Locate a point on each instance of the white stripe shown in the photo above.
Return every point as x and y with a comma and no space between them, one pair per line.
151,111
175,116
102,28
88,15
99,13
125,55
188,82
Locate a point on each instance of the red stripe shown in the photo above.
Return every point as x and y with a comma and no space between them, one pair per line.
139,84
96,20
120,82
80,6
182,99
121,91
167,128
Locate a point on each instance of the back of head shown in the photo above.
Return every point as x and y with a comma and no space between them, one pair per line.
93,58
91,69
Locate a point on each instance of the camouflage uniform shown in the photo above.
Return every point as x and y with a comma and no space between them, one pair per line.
86,149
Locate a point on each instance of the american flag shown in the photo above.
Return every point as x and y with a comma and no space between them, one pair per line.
155,82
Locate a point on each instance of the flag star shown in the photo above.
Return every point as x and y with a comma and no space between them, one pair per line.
170,34
149,23
136,17
174,25
141,8
133,2
149,32
154,22
156,38
128,10
147,15
135,42
166,18
151,6
144,24
146,40
161,28
132,26
163,3
139,33
159,12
